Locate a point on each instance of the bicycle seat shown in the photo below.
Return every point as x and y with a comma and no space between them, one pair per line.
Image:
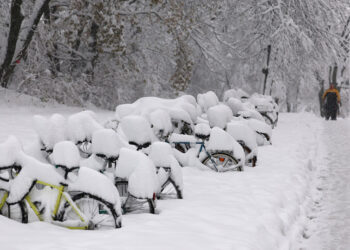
140,146
202,131
202,136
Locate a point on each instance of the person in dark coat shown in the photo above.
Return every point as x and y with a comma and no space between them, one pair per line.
331,100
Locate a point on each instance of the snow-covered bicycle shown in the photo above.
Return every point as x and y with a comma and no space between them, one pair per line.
61,195
216,150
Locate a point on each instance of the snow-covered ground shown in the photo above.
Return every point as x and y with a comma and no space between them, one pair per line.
261,208
328,226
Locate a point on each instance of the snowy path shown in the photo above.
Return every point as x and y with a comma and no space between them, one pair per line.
329,228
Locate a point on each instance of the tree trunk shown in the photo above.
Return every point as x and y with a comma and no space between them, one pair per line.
9,69
15,26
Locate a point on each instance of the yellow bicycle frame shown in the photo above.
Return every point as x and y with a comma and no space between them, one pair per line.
60,194
3,199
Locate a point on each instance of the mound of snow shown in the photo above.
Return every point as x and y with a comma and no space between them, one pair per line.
66,154
94,162
260,128
202,130
9,151
140,172
162,155
220,140
182,108
262,102
81,126
251,114
107,142
207,100
31,170
219,116
93,182
235,105
50,131
241,132
160,121
136,129
235,93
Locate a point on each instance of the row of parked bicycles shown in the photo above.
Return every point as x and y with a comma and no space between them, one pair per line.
83,174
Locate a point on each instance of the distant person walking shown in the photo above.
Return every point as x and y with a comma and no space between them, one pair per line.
331,100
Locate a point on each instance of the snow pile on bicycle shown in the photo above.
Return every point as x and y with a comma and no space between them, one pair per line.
87,174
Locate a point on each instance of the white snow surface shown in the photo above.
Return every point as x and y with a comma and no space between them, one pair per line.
82,125
93,182
241,132
107,142
262,208
219,115
140,172
162,155
202,129
207,100
161,122
235,105
234,93
262,102
9,150
50,130
220,140
66,154
136,129
32,170
181,108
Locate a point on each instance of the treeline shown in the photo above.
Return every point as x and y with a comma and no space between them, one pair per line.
107,52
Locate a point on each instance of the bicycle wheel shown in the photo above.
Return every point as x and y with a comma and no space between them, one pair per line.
101,214
268,120
139,205
170,190
221,161
15,211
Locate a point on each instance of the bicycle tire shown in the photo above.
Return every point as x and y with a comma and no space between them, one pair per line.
219,156
15,212
268,120
100,212
133,204
169,188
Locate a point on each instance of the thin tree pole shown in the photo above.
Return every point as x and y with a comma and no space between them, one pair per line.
266,70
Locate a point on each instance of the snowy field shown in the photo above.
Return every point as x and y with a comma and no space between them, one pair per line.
261,208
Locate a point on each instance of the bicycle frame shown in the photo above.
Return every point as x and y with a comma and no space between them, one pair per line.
202,147
61,194
3,199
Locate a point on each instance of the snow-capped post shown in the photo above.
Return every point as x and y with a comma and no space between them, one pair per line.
266,70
